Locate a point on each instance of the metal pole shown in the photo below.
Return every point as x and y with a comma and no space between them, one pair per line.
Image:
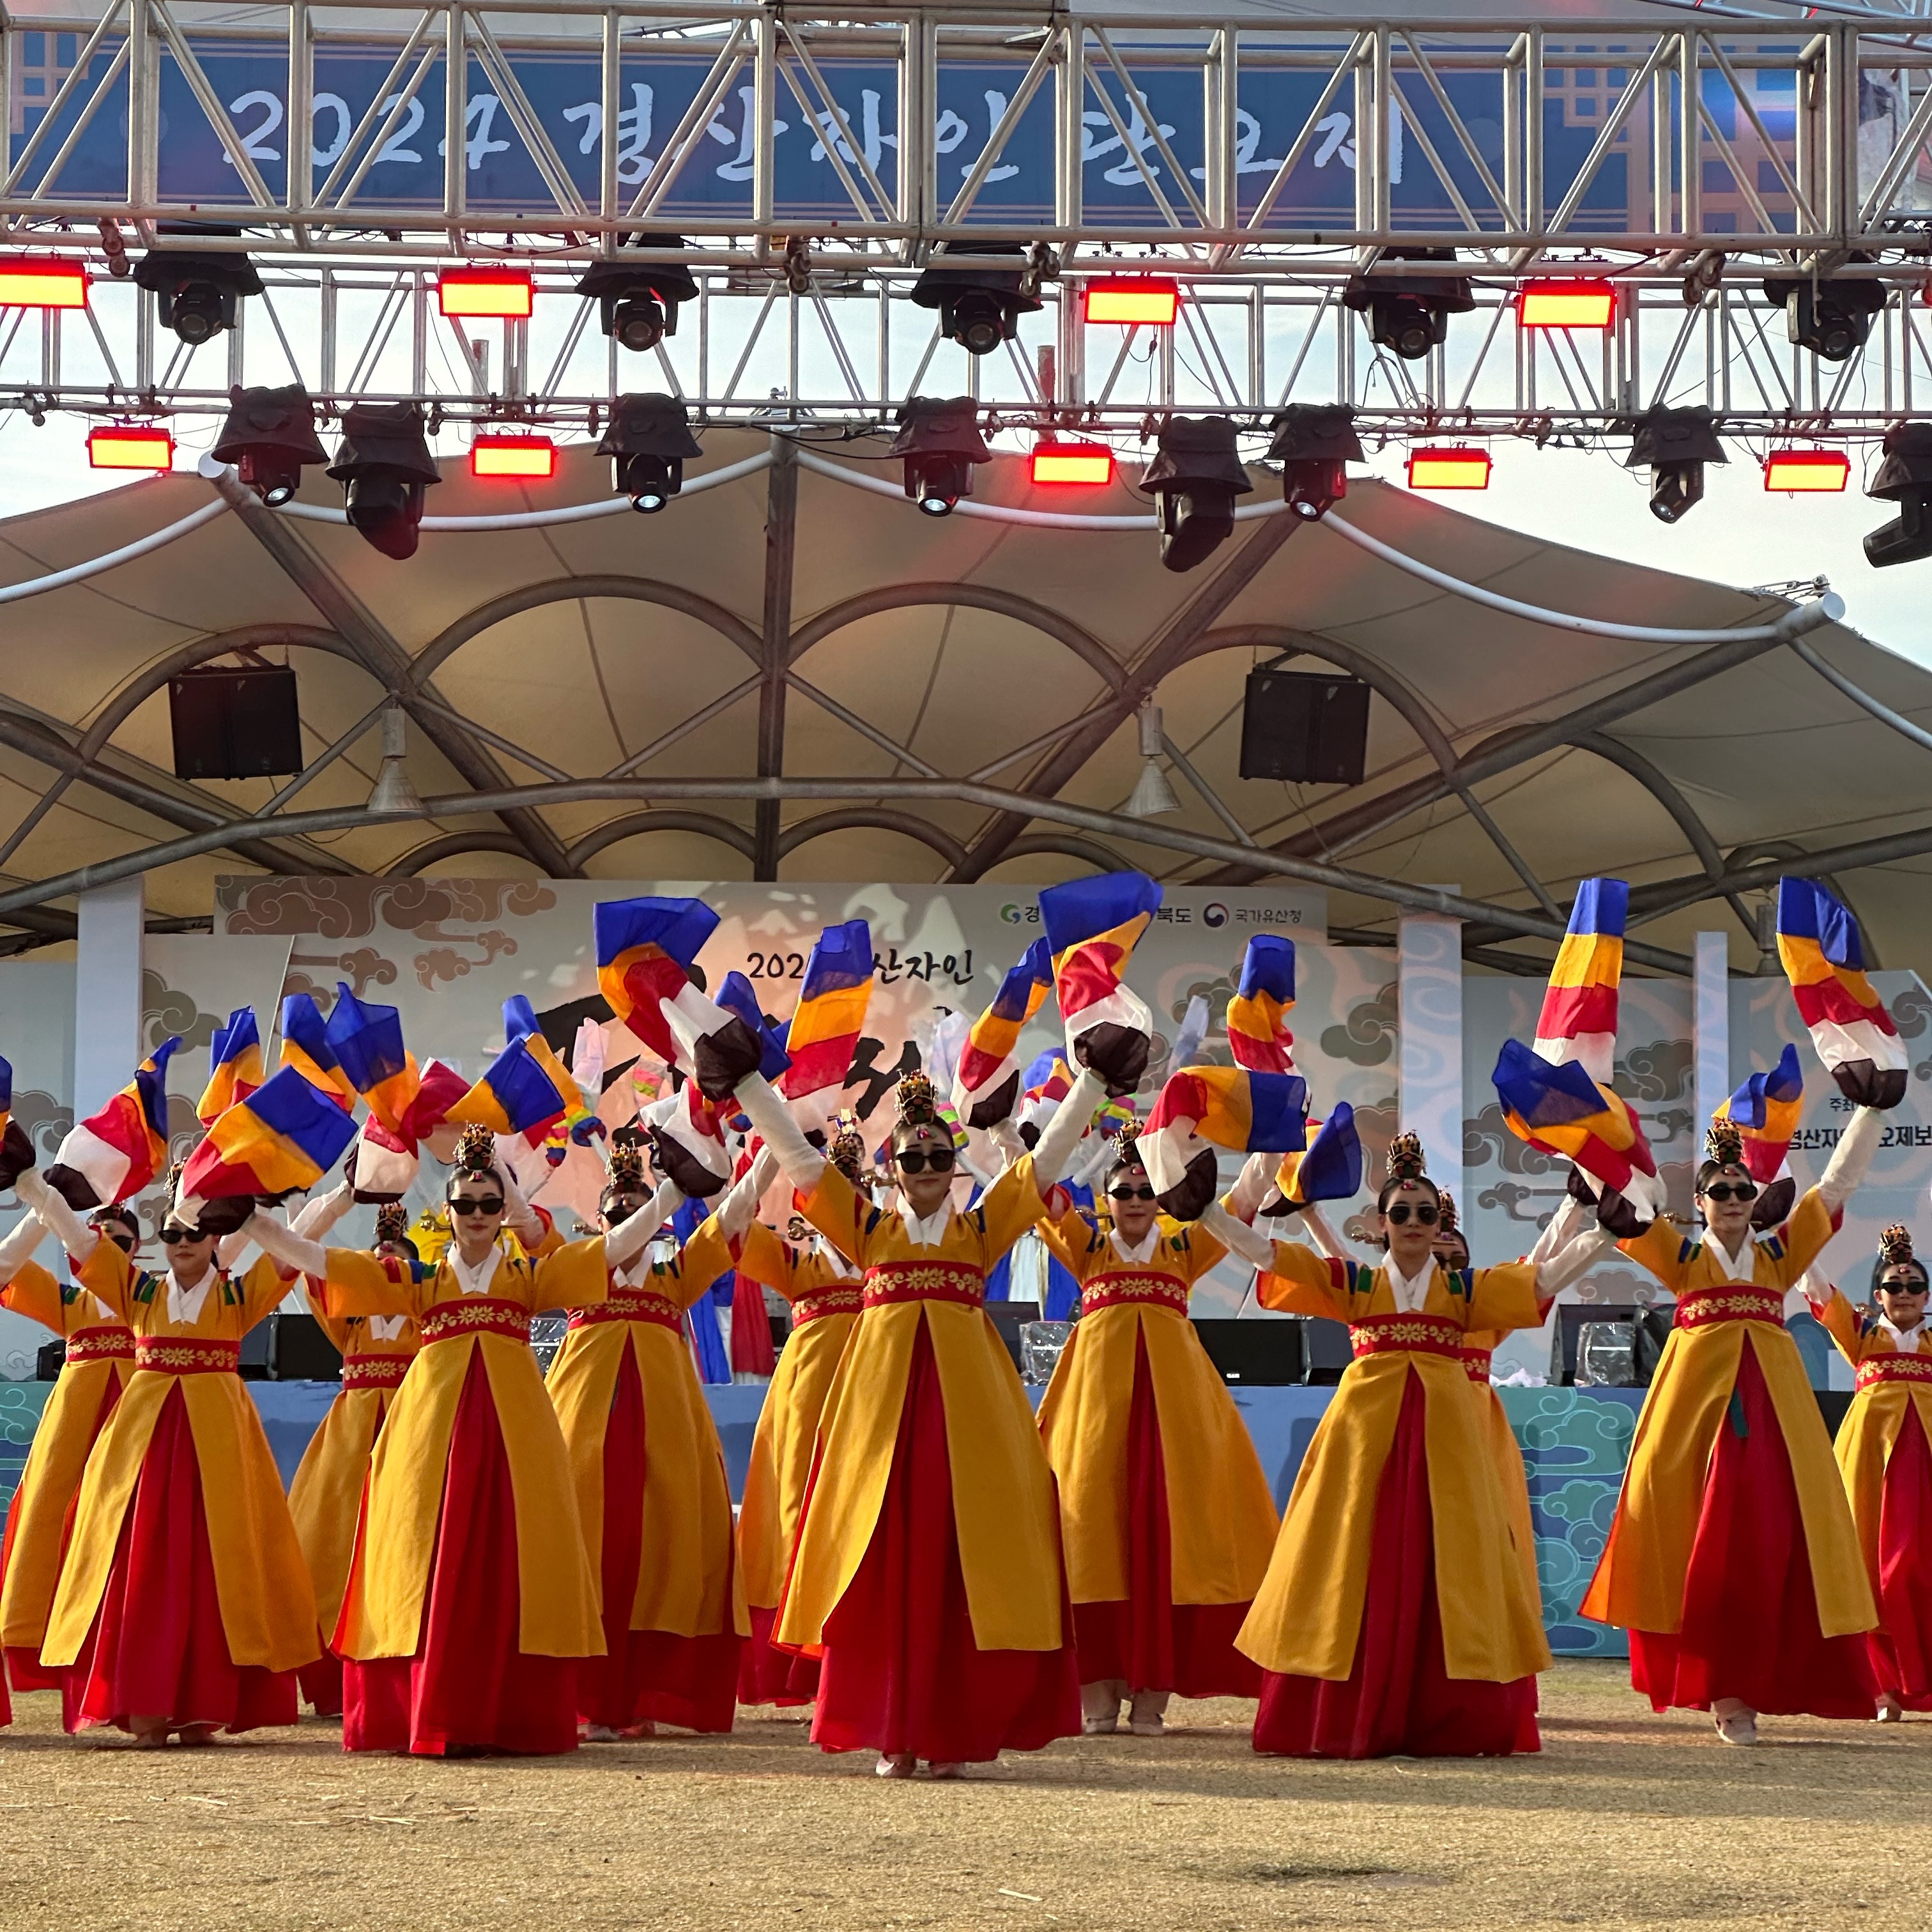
781,548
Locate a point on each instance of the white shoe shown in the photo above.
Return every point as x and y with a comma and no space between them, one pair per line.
1100,1709
945,1770
895,1764
1890,1710
599,1734
1147,1717
1737,1727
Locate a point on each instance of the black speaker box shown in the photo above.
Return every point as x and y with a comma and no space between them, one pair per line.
1328,1350
1006,1317
1305,727
49,1360
299,1349
232,722
1252,1355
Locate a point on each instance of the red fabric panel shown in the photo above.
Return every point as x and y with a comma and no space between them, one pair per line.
1901,1649
1750,1615
766,1675
321,1684
1150,1642
158,1648
1398,1699
752,1350
901,1673
468,1687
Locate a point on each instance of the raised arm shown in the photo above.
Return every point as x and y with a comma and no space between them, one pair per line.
1566,1225
1571,1262
632,1235
1060,1138
1851,1160
57,1217
794,1153
16,1250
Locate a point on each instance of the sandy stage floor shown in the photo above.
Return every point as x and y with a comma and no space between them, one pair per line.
1626,1819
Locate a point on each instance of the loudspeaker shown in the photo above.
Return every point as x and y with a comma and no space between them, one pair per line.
49,1360
1306,727
1328,1349
300,1351
1252,1355
1006,1317
235,723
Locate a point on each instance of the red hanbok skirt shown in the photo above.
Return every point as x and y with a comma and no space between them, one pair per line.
645,1675
1150,1642
768,1675
901,1673
469,1687
1398,1700
1901,1647
1750,1615
24,1667
158,1648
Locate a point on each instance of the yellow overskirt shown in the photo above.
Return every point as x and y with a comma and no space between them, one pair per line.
325,1498
1866,1439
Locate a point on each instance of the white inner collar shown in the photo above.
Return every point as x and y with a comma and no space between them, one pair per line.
930,1232
1410,1292
476,1280
386,1328
185,1304
1142,1252
1906,1340
1741,1266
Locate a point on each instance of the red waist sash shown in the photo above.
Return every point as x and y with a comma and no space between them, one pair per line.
375,1371
99,1344
1125,1290
1736,1301
186,1355
1476,1364
827,1301
1894,1368
889,1282
1406,1335
452,1320
631,1304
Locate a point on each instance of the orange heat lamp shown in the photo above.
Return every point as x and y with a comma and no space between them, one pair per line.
523,457
1151,300
1822,471
130,446
1084,463
42,281
1449,470
503,294
1566,304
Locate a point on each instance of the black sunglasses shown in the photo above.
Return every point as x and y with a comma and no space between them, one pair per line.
175,1237
939,1159
1132,1194
1398,1215
491,1203
1731,1190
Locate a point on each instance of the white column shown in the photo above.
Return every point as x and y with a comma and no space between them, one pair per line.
1429,992
1710,1022
107,993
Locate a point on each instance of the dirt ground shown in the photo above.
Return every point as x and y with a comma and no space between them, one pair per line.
1626,1819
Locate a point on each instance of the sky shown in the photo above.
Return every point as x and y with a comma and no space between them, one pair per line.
1738,535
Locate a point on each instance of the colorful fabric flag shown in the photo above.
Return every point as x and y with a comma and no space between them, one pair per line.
440,1087
1258,1034
282,1139
235,1066
1818,941
1578,1021
123,1148
1561,1111
986,1083
1224,1106
687,1138
6,1092
1193,1030
1765,1109
739,997
1331,1168
305,1047
515,1094
645,948
520,1024
831,1012
367,1041
1092,927
1048,1080
385,1163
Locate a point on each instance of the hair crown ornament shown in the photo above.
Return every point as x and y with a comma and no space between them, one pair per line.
848,1154
1724,1143
392,1223
476,1151
918,1104
1404,1157
626,1169
1445,1223
1894,1246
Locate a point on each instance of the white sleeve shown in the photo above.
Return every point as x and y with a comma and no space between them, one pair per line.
275,1238
523,1219
17,1249
631,1237
1251,1186
319,1216
1331,1243
61,1222
1565,1225
782,1134
1236,1236
1062,1134
1851,1158
735,1211
1572,1262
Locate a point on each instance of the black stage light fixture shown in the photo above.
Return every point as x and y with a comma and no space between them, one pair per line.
940,438
1314,443
385,466
1832,319
196,295
1196,474
1410,313
1676,444
1904,477
231,721
980,305
637,301
648,440
269,436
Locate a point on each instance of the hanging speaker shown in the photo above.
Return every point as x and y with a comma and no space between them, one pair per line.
1305,727
232,722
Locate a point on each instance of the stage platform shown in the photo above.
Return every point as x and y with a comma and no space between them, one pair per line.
1575,1443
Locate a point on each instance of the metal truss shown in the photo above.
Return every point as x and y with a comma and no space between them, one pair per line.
807,169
